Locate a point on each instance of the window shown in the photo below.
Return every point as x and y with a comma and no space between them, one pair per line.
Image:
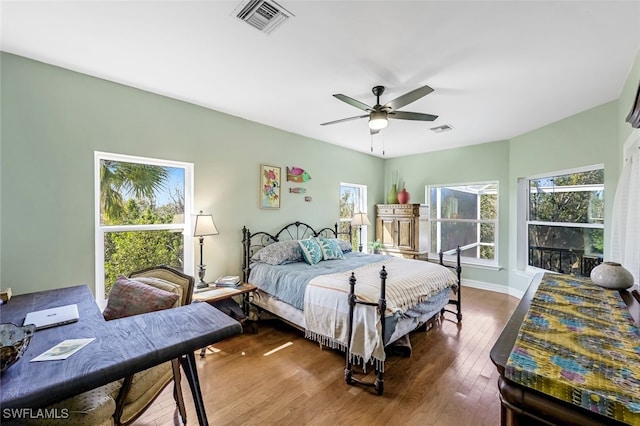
353,199
465,216
564,225
140,216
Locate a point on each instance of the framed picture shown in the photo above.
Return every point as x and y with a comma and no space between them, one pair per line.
269,187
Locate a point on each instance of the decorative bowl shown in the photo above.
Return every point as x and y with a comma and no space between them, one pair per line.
15,340
611,275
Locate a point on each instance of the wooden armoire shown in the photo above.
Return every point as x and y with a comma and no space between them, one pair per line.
403,230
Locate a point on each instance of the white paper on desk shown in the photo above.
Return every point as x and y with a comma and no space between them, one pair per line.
63,350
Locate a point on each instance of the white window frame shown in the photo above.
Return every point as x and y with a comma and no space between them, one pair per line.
363,208
522,262
100,229
450,255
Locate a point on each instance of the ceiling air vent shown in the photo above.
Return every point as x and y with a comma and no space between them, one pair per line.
263,15
443,128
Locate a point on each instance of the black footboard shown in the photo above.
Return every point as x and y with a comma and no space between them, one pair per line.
378,383
458,300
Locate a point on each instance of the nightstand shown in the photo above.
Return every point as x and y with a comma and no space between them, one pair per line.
215,294
218,294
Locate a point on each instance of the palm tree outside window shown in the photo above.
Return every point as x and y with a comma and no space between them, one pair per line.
140,216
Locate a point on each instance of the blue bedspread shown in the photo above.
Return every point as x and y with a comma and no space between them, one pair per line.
289,281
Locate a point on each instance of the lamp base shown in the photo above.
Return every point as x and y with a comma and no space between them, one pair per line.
201,283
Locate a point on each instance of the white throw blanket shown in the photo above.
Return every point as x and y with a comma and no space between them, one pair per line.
326,307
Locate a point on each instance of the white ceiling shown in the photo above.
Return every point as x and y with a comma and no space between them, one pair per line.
499,69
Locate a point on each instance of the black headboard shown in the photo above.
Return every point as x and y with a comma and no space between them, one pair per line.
252,242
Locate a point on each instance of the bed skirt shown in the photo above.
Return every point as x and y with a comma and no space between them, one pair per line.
395,327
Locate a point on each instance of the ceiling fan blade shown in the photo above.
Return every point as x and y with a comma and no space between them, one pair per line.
343,120
405,115
353,102
409,97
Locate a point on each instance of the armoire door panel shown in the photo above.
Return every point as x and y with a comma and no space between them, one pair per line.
405,234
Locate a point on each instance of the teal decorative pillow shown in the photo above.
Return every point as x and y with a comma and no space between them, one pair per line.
330,249
129,297
311,251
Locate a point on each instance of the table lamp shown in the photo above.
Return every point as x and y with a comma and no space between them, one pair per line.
202,226
358,220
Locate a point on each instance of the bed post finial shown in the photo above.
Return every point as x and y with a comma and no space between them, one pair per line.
352,285
382,302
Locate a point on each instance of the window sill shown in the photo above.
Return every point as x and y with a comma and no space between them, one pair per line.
531,271
482,266
451,261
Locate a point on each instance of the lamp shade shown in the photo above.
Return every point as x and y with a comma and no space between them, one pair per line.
203,225
360,219
378,120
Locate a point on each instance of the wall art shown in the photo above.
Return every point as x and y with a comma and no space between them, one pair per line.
269,187
297,174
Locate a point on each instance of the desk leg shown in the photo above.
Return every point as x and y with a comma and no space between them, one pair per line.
189,366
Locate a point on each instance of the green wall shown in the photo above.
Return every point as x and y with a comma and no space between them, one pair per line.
54,119
588,138
595,136
585,139
485,162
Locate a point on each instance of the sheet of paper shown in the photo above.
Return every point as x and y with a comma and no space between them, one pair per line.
63,350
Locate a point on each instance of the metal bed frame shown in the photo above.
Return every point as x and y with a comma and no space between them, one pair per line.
252,242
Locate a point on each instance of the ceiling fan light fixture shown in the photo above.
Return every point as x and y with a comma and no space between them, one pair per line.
378,120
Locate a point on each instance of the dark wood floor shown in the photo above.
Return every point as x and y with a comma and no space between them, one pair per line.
448,380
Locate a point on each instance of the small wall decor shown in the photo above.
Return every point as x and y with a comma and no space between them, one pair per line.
298,190
296,174
307,199
634,115
269,187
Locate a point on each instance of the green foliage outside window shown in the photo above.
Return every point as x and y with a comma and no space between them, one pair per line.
130,251
128,197
566,220
349,199
573,199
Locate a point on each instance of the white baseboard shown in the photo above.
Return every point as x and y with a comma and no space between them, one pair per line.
493,287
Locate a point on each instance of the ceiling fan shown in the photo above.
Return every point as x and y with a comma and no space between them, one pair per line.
379,114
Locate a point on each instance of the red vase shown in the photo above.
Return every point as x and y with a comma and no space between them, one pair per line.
403,196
